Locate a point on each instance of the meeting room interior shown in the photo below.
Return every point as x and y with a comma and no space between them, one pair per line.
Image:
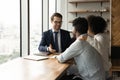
24,27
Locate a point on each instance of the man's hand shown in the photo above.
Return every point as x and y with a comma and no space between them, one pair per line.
83,38
51,50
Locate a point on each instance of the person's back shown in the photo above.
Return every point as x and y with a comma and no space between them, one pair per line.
89,62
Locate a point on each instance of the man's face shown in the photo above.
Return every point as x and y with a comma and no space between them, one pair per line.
57,22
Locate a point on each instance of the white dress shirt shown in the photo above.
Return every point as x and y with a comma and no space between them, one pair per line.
59,39
87,59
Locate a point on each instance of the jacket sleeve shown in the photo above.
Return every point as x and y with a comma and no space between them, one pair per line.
43,44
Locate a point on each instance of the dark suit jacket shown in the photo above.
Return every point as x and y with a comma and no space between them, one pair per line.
47,39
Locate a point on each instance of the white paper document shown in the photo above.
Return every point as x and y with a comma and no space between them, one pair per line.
36,58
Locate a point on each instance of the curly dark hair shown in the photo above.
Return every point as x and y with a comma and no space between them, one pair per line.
81,25
97,24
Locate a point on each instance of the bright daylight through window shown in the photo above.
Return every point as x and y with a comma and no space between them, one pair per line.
9,30
36,25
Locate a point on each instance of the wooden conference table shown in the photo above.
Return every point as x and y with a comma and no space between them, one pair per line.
23,69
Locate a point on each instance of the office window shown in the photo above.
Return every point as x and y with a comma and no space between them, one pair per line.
35,24
9,30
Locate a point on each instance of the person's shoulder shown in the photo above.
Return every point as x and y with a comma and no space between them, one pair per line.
81,42
65,31
47,32
101,36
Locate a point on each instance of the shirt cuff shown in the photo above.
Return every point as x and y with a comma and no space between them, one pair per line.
47,49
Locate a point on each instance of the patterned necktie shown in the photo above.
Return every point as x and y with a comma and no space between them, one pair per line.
56,41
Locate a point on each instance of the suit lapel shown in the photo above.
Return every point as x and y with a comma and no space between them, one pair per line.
62,38
51,38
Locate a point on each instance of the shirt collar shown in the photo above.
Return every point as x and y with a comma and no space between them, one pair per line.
54,30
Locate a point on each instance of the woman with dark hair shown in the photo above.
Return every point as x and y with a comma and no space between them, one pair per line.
100,39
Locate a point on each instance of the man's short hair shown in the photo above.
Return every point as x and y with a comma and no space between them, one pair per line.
81,25
57,15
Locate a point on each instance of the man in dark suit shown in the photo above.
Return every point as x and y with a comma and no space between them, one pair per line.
48,39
